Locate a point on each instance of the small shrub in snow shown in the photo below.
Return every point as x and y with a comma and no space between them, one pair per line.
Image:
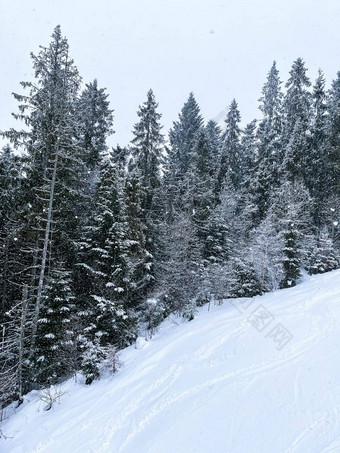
154,313
50,396
189,310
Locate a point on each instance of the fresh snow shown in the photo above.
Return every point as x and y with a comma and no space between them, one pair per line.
215,384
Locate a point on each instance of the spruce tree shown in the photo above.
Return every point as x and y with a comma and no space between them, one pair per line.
292,207
231,158
249,152
297,101
95,123
147,150
323,256
317,159
214,138
269,147
55,344
140,262
183,134
297,109
266,245
333,158
198,200
10,176
143,188
10,204
105,253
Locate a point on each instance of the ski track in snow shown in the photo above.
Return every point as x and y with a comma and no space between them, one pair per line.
215,383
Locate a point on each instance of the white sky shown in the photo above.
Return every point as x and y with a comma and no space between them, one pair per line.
219,49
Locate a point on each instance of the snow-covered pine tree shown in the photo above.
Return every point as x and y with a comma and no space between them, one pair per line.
183,135
182,138
292,206
316,162
231,159
179,272
269,150
55,352
188,200
95,122
214,138
105,254
140,262
323,256
224,226
266,246
9,184
10,202
333,158
198,199
249,153
297,114
297,101
242,278
228,227
147,151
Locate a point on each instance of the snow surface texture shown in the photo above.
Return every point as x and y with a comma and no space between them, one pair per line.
227,382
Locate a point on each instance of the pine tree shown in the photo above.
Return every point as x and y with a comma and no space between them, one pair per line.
105,254
198,199
55,344
214,138
297,106
140,261
248,152
9,184
183,135
292,207
146,150
323,256
179,273
95,123
224,226
269,148
243,281
92,357
316,163
266,247
333,157
297,102
231,158
271,101
10,203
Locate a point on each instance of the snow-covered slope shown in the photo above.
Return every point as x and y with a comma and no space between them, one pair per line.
216,384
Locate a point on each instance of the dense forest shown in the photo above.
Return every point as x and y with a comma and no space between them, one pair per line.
98,245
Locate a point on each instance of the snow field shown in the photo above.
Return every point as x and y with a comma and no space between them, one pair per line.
215,384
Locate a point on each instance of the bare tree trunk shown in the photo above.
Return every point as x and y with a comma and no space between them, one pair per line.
45,248
21,342
5,272
34,270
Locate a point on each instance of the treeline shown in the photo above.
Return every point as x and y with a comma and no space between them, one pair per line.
97,244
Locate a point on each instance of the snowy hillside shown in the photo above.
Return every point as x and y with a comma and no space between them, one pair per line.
228,381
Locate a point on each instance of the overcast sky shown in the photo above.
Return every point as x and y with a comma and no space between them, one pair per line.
220,49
